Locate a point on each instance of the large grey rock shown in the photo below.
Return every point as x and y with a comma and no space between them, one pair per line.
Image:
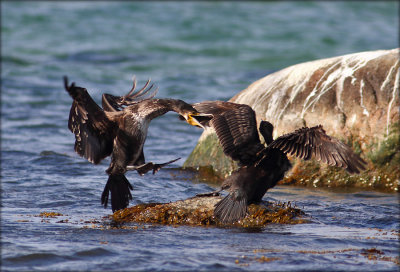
355,97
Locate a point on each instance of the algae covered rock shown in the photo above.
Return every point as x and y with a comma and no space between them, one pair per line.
356,99
198,211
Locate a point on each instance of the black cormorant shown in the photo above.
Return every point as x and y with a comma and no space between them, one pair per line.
119,129
261,167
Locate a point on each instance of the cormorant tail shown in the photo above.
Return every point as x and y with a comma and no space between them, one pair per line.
231,209
119,187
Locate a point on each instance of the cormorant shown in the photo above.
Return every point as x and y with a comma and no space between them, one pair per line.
261,167
119,130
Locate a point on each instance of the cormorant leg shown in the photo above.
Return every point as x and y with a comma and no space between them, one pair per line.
144,168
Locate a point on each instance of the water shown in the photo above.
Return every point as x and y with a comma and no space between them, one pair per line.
194,51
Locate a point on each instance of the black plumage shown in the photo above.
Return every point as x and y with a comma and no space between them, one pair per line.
236,128
119,130
261,167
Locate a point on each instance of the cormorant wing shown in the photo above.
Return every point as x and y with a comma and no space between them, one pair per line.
213,108
115,103
93,130
109,102
306,143
236,128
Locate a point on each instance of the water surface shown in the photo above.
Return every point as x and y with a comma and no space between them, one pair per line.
193,51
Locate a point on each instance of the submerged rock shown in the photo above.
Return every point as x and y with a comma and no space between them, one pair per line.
356,99
198,211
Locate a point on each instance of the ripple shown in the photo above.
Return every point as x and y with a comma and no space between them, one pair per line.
33,259
15,60
103,57
53,204
45,153
93,252
38,126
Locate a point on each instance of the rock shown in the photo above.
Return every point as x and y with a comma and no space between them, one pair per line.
356,99
198,211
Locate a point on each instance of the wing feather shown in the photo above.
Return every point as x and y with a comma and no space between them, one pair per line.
306,143
116,103
92,129
236,128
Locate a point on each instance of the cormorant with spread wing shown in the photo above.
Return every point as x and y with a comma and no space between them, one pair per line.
261,167
119,129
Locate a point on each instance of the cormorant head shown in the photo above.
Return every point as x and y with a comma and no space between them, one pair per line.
191,115
266,129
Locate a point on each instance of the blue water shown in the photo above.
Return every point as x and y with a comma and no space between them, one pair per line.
194,51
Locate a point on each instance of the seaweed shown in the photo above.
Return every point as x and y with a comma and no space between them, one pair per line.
198,211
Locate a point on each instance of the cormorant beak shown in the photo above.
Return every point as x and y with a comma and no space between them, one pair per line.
195,119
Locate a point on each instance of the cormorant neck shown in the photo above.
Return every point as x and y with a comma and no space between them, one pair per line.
164,105
266,130
171,104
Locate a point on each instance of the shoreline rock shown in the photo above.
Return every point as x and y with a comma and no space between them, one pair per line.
356,99
198,211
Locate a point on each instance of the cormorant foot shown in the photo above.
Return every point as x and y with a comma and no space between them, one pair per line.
144,168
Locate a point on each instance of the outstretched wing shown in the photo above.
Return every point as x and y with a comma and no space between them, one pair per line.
93,130
213,108
116,103
236,128
306,143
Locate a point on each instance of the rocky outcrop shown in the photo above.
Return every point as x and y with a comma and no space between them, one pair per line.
356,99
198,211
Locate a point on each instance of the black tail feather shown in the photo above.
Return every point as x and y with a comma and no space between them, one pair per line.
120,188
230,209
